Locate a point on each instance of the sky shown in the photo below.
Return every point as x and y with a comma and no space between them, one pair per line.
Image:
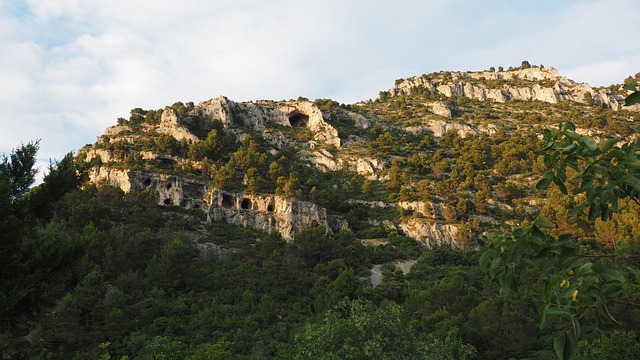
70,68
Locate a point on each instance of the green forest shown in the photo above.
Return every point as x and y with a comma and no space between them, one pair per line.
546,262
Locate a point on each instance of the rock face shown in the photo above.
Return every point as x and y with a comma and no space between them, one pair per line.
536,83
170,124
430,234
302,114
439,128
439,108
271,213
169,189
422,229
284,215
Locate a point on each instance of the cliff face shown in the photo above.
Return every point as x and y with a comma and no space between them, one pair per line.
169,189
259,116
347,156
271,213
287,216
542,84
430,233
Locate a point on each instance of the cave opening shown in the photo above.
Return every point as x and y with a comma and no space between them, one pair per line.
297,119
246,203
314,223
169,185
270,208
167,201
227,201
147,182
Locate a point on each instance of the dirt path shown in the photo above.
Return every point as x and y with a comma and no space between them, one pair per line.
376,274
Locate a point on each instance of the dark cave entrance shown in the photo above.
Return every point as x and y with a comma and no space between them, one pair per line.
315,223
227,201
245,204
297,119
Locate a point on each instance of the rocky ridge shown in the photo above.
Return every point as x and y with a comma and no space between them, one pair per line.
330,139
535,83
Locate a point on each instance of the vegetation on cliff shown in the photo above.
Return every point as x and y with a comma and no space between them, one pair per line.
89,271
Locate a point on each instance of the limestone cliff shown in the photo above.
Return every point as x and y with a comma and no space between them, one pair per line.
169,189
268,213
430,233
287,216
535,83
263,114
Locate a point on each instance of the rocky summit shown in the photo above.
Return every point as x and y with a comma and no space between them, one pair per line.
287,166
459,215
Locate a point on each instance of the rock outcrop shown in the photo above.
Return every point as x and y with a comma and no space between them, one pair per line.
170,124
271,213
259,115
287,216
430,233
169,189
535,83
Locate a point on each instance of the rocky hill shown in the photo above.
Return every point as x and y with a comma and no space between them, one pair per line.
534,83
439,157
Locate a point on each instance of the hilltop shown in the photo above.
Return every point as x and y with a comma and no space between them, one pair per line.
409,226
433,153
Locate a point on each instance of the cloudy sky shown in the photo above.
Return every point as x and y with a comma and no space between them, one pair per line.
70,68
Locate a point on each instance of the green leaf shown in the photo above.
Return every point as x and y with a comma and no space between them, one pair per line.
495,264
632,99
632,162
560,184
577,332
609,144
585,269
543,224
484,259
570,148
559,344
630,87
632,181
613,275
578,209
544,183
602,308
589,143
543,316
565,345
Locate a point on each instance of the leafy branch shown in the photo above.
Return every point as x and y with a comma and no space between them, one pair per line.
578,291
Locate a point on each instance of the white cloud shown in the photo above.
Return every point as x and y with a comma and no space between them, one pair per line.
71,67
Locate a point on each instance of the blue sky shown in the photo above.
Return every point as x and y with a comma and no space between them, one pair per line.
70,68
